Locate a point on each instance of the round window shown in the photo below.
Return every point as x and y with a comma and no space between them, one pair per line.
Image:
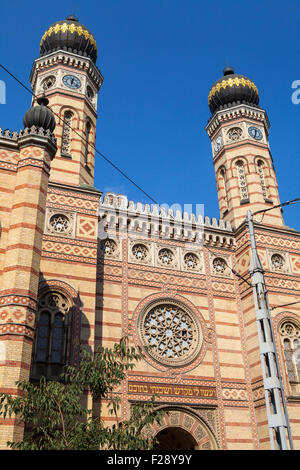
59,223
171,333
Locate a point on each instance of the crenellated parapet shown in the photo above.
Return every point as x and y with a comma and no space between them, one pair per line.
116,213
13,140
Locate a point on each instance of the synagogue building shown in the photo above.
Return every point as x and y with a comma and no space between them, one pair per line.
79,268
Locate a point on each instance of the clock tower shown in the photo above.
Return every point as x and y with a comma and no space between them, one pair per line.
66,72
238,130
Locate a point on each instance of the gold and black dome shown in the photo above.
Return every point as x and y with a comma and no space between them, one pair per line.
231,90
69,35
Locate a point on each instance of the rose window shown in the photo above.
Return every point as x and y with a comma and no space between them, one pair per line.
290,329
109,247
219,265
140,252
59,223
166,256
54,301
191,261
171,334
234,133
277,261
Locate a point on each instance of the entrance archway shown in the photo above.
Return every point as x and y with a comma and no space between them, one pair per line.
183,429
174,438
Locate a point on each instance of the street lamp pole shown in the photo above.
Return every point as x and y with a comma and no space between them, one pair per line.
278,421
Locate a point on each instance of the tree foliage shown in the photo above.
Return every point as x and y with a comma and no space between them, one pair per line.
56,419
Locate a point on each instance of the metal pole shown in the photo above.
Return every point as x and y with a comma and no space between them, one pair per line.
278,421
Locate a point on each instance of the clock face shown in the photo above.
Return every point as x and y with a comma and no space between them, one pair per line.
218,143
255,133
71,82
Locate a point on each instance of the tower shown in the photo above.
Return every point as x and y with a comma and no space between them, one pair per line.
66,71
238,130
24,179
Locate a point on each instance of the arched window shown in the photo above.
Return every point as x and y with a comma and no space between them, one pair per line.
261,172
223,189
87,137
51,335
66,134
290,340
242,180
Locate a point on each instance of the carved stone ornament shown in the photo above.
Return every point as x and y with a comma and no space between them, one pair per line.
278,261
60,223
46,82
140,252
234,134
220,265
192,261
167,257
171,332
110,248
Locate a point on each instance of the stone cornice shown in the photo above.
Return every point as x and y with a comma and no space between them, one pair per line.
69,59
279,231
78,189
236,112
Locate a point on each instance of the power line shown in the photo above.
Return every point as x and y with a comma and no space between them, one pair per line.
283,204
237,274
285,305
84,139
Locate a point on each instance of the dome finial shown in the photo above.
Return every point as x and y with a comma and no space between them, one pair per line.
43,100
72,18
228,71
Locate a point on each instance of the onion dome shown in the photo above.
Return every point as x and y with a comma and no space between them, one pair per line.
69,35
40,116
231,90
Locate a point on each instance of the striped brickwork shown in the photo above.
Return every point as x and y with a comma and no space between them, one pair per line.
22,218
283,288
217,395
76,165
233,202
74,260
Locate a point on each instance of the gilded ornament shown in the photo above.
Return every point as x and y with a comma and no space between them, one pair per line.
79,30
64,27
72,28
230,82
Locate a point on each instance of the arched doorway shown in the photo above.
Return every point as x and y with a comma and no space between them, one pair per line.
174,438
183,429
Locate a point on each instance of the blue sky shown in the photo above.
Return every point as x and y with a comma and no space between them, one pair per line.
159,59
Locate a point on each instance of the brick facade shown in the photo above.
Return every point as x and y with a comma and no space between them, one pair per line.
116,262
